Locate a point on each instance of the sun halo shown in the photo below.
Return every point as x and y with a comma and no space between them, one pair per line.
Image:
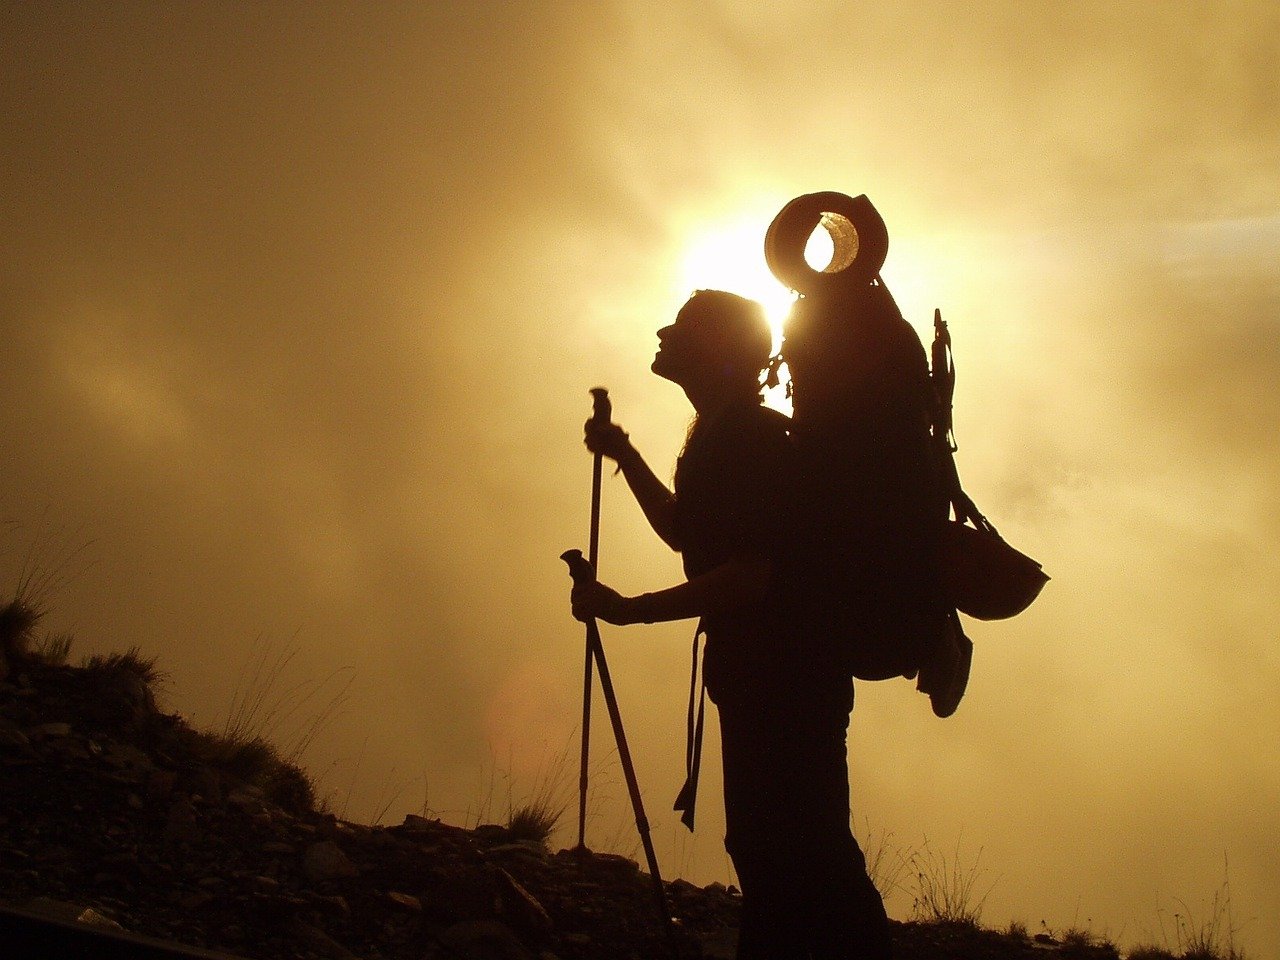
731,257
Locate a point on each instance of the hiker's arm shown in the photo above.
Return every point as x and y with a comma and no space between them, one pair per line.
657,502
720,589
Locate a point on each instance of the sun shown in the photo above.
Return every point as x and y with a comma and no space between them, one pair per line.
730,256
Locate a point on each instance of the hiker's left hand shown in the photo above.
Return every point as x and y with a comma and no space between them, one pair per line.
594,600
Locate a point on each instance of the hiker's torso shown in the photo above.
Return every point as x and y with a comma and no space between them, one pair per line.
734,489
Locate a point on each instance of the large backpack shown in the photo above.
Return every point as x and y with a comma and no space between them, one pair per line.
889,545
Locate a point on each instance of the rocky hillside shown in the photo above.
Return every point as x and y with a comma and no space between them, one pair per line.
117,814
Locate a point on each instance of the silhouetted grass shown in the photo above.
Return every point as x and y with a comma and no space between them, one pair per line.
1198,935
131,662
46,567
946,888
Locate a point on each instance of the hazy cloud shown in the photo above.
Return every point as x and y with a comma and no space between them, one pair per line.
300,304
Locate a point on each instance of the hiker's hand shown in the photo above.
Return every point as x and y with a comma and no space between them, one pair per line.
607,439
596,601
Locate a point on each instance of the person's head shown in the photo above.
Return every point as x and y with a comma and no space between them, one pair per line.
718,341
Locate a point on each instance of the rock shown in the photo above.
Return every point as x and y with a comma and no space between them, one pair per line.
316,940
160,784
124,756
93,918
483,940
12,737
54,909
182,825
44,731
408,902
522,908
414,822
324,860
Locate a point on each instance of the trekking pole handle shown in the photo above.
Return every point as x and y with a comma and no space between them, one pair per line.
601,408
579,567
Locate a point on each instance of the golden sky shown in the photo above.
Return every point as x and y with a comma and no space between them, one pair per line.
301,304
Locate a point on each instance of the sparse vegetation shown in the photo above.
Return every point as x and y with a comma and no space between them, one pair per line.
54,648
1197,935
538,815
46,567
885,863
946,889
534,820
131,663
259,711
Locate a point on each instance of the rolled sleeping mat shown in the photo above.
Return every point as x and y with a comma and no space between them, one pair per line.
859,239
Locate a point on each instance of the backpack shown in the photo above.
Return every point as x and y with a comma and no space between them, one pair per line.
889,546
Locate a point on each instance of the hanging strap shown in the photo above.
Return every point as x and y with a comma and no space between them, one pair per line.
942,375
688,796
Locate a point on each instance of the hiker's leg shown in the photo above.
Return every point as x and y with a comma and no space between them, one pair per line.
768,926
846,915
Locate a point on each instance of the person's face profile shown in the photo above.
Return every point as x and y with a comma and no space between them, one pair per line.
685,345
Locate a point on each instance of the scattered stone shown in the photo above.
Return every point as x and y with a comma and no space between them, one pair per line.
44,731
522,908
160,784
335,904
124,756
93,918
324,860
182,825
408,902
414,822
316,939
484,940
11,736
194,901
192,854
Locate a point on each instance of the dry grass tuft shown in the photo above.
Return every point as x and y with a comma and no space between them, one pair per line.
946,888
130,663
535,820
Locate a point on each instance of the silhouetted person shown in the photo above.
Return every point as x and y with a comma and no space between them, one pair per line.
784,699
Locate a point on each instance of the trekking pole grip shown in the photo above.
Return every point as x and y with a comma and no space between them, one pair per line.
579,568
601,407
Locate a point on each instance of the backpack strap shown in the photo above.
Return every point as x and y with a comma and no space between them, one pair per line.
688,796
942,375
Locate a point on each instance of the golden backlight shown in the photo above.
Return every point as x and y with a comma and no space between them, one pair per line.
730,256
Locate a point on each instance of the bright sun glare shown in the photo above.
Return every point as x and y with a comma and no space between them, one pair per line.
731,257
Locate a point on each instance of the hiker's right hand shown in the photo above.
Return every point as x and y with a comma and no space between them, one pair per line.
607,439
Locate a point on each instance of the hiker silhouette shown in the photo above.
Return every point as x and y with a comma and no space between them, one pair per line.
783,696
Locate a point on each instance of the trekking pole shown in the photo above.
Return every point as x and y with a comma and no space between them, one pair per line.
582,572
601,413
